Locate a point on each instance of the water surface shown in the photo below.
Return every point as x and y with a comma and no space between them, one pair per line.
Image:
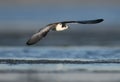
60,59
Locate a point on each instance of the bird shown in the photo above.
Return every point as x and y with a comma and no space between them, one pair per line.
57,26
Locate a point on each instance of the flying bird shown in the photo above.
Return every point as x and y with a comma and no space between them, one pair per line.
58,26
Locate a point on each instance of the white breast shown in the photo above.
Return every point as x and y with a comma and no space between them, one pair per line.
60,28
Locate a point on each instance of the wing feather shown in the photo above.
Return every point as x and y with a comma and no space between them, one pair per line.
85,21
39,35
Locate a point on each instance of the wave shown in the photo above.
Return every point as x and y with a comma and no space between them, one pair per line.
59,71
57,61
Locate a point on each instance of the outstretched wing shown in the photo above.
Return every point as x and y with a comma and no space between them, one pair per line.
85,21
39,35
43,32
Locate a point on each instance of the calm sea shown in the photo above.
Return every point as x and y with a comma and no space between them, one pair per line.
60,59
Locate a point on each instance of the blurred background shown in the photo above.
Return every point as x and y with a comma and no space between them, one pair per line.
84,53
19,19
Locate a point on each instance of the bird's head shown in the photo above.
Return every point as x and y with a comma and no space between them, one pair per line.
61,27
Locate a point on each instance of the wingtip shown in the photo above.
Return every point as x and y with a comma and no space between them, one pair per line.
28,43
100,20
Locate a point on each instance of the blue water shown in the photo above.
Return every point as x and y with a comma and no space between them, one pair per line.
62,53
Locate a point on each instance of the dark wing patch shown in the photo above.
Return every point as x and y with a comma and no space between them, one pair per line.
91,21
39,35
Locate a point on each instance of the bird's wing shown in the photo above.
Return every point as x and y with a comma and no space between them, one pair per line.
85,21
39,35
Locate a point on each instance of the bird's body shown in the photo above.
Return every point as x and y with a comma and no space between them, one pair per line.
58,26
